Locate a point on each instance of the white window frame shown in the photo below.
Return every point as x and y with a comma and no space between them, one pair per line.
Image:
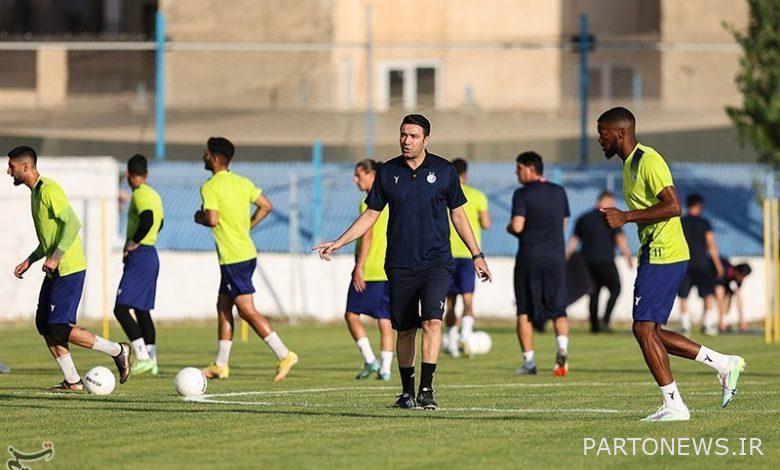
409,69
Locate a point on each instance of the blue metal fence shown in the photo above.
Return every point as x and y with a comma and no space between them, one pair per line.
731,191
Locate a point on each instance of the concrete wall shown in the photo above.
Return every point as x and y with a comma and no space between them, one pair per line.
306,287
700,77
245,79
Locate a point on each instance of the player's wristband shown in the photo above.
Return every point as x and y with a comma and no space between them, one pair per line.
478,255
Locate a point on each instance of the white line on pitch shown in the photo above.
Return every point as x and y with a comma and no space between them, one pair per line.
208,399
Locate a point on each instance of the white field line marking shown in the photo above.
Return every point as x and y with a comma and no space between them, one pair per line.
457,386
209,399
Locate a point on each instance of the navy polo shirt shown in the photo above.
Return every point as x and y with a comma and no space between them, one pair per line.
418,230
598,240
695,229
544,206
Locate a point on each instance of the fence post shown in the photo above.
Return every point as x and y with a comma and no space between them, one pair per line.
316,188
159,85
584,49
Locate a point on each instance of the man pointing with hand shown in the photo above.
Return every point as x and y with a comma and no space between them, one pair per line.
420,188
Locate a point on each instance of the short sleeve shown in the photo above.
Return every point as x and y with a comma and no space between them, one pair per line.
362,207
54,198
209,197
566,211
518,203
707,226
655,173
482,202
253,191
455,196
376,199
141,203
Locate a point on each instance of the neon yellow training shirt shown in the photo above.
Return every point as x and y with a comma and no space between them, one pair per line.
645,175
48,200
374,269
477,202
230,195
145,199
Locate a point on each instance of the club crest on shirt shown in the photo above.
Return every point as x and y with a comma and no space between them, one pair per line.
431,177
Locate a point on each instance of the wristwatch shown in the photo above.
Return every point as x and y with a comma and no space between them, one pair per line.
478,255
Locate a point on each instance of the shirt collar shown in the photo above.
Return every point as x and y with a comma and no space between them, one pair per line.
425,163
630,155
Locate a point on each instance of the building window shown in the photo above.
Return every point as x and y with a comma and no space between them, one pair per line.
609,81
409,85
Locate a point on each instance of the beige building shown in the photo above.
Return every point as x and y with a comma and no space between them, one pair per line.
449,54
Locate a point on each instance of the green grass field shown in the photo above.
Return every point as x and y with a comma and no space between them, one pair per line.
321,417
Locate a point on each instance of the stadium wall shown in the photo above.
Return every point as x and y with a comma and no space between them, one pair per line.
304,287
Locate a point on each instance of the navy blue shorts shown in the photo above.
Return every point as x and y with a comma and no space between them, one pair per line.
237,278
417,295
540,290
59,300
138,286
374,301
655,290
463,278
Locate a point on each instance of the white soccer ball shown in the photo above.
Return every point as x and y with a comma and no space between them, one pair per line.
479,342
99,381
190,382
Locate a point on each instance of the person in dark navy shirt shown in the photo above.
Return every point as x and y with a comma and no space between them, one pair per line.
540,210
704,268
597,244
420,188
730,286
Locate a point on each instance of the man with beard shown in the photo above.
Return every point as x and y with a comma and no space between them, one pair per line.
226,198
653,205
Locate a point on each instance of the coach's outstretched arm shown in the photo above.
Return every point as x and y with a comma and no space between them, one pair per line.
668,206
461,223
360,226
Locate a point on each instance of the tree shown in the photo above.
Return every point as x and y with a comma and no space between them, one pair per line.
758,120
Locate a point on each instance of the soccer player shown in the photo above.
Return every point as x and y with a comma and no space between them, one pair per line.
145,219
663,258
704,268
420,189
369,293
540,210
730,286
226,198
598,245
464,276
57,227
4,369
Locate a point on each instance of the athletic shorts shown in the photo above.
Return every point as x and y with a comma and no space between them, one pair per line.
655,290
138,286
463,278
704,278
59,300
540,290
237,278
417,295
374,301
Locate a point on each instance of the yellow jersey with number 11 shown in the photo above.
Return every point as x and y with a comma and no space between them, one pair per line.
645,175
